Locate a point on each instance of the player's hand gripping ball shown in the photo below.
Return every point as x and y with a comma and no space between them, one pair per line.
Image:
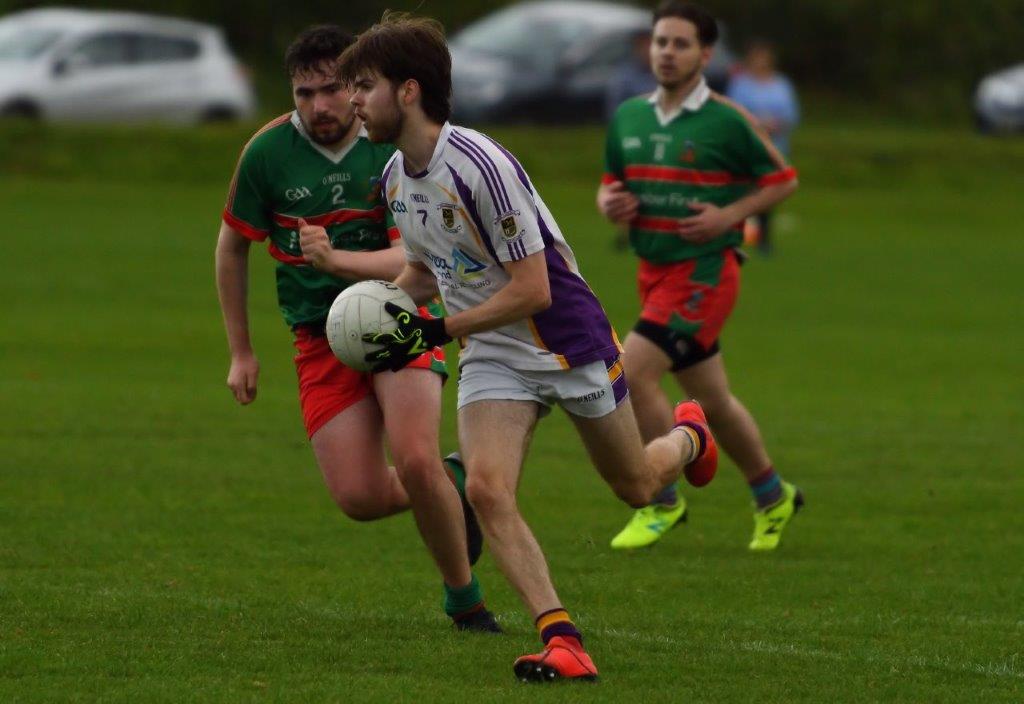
413,336
358,312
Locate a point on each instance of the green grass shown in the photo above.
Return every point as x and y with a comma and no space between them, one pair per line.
159,543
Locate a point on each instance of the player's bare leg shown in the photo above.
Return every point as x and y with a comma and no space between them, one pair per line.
635,472
411,404
776,501
494,437
734,427
349,449
646,364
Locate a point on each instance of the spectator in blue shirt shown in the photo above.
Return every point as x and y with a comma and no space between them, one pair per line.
770,97
633,77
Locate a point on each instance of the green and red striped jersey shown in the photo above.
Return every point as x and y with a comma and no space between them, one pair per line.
709,151
283,175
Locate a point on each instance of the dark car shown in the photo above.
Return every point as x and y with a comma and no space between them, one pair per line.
999,101
549,61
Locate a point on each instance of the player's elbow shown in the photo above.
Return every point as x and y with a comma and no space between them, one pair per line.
540,298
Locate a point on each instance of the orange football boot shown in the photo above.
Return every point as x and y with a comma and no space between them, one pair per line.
701,470
561,659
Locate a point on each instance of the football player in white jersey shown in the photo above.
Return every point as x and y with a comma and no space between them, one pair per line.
533,333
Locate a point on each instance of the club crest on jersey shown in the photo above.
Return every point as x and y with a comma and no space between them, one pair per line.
448,218
509,227
632,143
689,154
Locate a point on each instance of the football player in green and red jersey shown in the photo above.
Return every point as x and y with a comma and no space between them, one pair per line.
685,168
309,182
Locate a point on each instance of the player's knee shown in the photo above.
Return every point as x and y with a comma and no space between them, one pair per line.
416,468
359,508
488,494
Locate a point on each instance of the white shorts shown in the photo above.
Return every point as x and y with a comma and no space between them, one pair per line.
591,391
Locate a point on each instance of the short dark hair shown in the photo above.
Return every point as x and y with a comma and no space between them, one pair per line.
315,46
707,28
401,47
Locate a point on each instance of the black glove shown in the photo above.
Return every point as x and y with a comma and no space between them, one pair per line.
414,336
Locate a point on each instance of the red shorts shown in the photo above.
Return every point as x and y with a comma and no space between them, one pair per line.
327,387
692,298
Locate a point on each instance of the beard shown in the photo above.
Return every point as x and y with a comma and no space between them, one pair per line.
328,130
674,83
387,127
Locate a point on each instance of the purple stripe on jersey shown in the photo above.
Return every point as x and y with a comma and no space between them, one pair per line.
487,179
520,172
466,194
489,163
574,326
384,179
517,250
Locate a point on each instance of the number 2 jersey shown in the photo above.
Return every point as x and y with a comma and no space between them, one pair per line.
469,214
283,175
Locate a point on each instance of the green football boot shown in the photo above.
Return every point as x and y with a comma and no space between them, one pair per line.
648,524
770,521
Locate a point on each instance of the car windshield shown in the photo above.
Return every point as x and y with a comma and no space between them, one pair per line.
18,42
523,37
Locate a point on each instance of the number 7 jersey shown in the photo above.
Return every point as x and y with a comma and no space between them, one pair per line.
466,217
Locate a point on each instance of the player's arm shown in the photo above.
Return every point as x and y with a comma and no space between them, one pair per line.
528,293
710,221
614,200
232,265
776,180
379,264
416,280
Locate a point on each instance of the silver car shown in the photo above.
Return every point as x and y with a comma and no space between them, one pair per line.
80,65
550,60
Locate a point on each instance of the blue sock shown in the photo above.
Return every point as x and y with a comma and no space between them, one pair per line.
766,487
667,496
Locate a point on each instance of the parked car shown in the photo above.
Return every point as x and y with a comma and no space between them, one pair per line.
999,101
549,61
81,65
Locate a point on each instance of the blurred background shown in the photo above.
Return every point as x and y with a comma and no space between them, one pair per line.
916,58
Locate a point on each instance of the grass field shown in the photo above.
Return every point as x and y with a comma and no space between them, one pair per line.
160,544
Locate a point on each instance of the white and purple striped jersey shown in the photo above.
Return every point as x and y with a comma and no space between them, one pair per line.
465,217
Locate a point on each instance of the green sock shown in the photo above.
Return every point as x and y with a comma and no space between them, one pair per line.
457,472
463,599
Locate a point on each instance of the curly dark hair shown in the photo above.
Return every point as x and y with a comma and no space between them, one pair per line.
314,46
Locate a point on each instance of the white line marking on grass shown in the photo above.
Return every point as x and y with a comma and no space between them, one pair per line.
1006,669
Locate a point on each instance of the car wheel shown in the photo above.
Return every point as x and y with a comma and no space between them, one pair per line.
22,109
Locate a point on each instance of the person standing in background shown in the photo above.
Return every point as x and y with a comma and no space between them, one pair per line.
632,78
770,97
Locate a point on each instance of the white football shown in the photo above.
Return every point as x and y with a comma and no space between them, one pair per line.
359,310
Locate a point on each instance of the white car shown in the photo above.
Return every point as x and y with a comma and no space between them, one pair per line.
81,65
